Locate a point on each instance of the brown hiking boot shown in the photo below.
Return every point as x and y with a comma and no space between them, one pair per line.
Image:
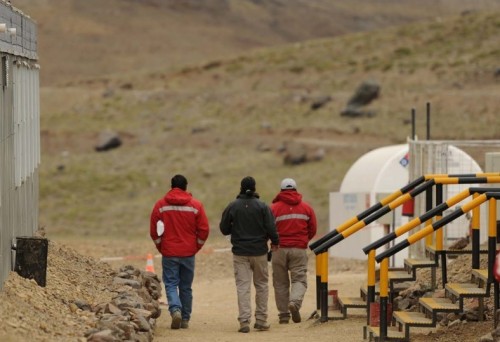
284,318
184,324
176,320
261,325
244,327
294,310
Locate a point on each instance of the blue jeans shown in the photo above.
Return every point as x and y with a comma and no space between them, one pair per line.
178,275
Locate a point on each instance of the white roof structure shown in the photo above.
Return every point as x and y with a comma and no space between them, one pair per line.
383,170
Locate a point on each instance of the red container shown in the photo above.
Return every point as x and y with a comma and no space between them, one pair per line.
333,300
375,314
408,208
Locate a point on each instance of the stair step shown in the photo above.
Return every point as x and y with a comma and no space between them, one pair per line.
467,250
396,288
414,319
439,304
334,315
392,334
414,263
400,276
352,302
481,274
465,290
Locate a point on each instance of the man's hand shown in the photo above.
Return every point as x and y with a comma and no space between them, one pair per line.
275,248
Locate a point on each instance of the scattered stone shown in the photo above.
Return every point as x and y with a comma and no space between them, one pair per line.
199,129
108,140
266,125
127,86
320,102
355,112
487,338
82,305
131,315
364,95
296,154
318,155
263,147
129,282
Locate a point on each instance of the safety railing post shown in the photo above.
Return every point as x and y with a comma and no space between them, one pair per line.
428,206
384,298
370,294
439,239
492,237
318,282
324,287
475,234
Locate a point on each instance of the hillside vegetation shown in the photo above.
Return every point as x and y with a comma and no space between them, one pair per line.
219,118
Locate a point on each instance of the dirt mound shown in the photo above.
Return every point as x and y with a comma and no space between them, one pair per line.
31,312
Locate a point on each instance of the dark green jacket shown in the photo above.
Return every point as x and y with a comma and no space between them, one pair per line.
250,223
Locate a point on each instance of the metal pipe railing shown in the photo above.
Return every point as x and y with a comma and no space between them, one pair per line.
386,205
401,200
383,258
353,220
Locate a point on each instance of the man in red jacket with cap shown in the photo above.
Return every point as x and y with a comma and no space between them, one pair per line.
296,224
179,228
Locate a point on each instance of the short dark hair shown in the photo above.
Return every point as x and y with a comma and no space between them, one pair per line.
247,183
179,181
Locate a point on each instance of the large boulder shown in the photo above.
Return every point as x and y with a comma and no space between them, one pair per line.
364,95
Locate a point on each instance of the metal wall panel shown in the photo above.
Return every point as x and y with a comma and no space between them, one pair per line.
24,42
19,133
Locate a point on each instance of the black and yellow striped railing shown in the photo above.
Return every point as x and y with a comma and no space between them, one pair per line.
383,258
385,206
322,245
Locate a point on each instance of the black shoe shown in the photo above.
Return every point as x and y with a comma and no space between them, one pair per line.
295,312
184,324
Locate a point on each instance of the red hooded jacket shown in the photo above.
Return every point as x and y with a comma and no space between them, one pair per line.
295,219
185,222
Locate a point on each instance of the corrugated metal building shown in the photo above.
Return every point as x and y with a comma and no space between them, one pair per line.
19,131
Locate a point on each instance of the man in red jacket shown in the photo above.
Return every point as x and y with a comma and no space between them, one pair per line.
296,224
179,228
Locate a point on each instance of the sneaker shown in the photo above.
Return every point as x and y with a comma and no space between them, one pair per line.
295,312
244,327
185,324
176,320
262,326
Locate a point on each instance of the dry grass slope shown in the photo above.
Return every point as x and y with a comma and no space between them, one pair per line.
208,120
211,111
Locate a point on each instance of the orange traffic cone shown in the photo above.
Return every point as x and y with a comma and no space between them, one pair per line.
149,264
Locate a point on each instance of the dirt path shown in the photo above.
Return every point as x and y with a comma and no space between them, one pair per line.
215,315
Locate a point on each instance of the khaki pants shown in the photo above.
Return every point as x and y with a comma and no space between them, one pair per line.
246,268
293,260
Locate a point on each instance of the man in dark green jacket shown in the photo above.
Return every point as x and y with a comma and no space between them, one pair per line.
251,225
